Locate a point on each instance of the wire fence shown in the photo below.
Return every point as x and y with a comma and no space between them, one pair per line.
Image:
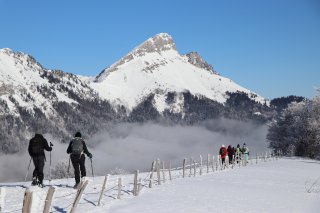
132,185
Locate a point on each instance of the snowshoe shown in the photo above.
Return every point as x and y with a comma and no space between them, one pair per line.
41,185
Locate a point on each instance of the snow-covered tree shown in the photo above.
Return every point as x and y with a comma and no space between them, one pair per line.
297,127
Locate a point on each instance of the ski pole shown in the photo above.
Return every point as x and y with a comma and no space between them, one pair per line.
51,145
28,170
68,172
92,173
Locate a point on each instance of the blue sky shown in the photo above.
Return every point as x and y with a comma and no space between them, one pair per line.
271,47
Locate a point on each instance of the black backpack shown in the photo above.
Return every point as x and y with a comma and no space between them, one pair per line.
77,146
36,146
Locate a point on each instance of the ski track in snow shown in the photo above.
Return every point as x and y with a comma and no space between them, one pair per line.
273,186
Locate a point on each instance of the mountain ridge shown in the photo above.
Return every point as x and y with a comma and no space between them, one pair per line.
157,65
156,84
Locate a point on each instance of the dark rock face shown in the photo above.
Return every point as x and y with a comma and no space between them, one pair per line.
195,59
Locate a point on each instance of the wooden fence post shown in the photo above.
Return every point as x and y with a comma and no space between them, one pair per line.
170,170
265,157
151,174
48,200
270,156
103,187
190,171
158,172
220,161
208,162
212,163
226,162
78,196
2,198
139,186
200,172
135,183
27,201
195,168
242,160
163,172
184,167
119,188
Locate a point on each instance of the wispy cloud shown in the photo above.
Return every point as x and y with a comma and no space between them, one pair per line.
135,146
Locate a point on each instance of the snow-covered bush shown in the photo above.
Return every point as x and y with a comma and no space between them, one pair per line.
61,170
118,171
313,186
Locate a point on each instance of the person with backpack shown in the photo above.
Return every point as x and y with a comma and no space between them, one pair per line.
245,152
230,153
238,154
77,148
36,148
223,153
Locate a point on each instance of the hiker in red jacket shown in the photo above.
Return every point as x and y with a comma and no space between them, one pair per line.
223,152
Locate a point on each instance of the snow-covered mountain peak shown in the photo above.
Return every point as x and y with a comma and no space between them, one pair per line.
25,83
7,51
156,67
158,43
16,67
155,48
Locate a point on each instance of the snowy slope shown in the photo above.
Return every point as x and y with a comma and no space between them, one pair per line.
23,78
157,67
35,99
272,186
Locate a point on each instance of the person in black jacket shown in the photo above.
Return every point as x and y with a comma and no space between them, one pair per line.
36,148
230,154
77,147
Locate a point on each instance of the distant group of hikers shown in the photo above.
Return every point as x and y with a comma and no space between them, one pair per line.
234,154
77,148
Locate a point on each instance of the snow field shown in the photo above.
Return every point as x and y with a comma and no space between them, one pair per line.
272,186
277,186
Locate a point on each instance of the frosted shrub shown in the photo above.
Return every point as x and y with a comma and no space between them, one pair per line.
118,171
61,170
313,186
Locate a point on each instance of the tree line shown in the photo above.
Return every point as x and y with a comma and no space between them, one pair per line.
296,131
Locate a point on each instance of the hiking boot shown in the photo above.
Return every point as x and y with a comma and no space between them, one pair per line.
41,185
34,182
76,186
